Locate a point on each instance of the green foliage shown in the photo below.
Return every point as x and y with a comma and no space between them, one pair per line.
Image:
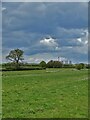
15,56
12,66
50,64
68,66
80,66
83,65
22,66
54,64
57,64
45,94
43,64
88,66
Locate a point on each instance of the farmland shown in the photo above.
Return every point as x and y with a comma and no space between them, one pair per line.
50,93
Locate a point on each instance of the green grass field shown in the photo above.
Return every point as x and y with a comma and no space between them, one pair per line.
51,93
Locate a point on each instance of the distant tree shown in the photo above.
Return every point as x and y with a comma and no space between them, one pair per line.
16,56
50,64
43,64
83,65
68,66
88,66
80,66
54,64
57,64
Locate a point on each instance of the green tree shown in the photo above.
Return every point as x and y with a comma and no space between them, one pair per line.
57,64
88,66
54,64
50,64
16,56
80,66
43,64
83,65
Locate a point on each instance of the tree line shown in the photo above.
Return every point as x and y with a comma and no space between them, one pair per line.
16,58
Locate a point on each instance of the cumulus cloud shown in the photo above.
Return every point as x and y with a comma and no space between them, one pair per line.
50,42
25,24
79,39
3,9
84,39
86,42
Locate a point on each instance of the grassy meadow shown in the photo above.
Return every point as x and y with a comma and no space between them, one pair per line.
50,93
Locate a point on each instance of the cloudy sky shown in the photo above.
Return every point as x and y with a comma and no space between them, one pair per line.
46,30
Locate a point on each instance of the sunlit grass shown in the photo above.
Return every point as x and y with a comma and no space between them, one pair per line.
51,93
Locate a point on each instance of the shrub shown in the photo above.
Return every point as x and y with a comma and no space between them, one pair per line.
54,64
80,66
43,64
88,66
68,66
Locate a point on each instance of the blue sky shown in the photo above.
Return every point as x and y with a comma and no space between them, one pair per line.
25,25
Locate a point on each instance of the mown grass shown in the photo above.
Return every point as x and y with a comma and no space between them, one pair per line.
52,93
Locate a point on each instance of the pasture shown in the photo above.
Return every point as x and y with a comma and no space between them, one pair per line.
50,93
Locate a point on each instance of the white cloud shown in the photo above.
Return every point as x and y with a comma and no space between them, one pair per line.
86,37
79,39
57,48
49,42
86,31
84,40
83,49
3,9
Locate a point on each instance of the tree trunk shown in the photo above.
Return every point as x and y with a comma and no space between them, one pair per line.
17,64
